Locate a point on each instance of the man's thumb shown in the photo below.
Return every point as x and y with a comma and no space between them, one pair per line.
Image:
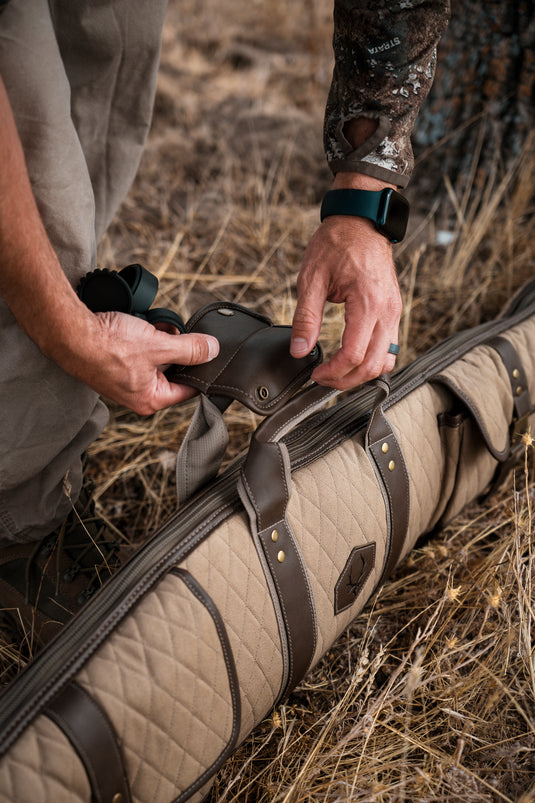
305,330
196,349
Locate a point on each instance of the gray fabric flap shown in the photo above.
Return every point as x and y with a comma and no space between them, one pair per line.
200,455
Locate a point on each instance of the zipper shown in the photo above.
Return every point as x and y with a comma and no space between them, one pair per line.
23,699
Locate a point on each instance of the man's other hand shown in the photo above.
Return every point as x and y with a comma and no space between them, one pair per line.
349,262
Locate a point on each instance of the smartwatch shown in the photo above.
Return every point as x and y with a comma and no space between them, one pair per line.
388,210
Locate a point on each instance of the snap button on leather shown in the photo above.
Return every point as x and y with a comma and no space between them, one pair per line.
281,556
225,311
519,390
274,536
118,798
391,465
385,447
516,373
262,393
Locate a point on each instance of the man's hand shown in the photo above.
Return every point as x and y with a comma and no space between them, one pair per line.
124,359
348,262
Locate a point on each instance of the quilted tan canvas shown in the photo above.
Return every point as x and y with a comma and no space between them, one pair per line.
197,651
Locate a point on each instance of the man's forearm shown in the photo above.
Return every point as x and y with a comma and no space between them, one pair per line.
384,65
32,281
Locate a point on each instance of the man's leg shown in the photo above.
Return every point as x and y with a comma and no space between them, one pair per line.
81,83
47,418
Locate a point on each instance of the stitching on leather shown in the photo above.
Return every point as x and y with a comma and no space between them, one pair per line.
253,500
297,551
283,608
394,535
212,384
303,412
285,392
304,572
282,467
213,387
200,314
293,540
272,590
106,723
291,681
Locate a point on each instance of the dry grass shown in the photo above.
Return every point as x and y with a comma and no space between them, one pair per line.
430,694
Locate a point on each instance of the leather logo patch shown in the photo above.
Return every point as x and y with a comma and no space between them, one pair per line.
355,573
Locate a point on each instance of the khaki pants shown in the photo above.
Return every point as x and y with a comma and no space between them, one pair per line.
81,76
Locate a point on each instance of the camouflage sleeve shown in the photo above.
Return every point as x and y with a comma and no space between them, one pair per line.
385,55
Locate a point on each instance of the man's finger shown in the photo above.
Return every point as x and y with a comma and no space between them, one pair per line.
169,393
356,338
306,322
362,357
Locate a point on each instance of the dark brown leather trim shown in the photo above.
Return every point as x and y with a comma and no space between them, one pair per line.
295,598
517,375
387,458
234,685
521,409
91,734
264,476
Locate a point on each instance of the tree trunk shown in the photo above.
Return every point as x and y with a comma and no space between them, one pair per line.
483,99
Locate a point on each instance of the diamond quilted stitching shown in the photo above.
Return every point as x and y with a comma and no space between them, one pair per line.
227,565
161,678
43,766
336,504
414,420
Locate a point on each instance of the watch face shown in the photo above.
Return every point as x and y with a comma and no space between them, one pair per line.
393,215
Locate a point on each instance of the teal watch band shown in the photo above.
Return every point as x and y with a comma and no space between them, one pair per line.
388,210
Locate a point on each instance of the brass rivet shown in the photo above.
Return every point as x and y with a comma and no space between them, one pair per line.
391,466
225,311
519,390
274,536
281,556
516,373
118,798
385,447
262,393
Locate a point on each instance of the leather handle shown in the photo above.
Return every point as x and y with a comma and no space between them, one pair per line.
265,489
304,404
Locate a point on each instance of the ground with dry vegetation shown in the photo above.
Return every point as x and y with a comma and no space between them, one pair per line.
429,696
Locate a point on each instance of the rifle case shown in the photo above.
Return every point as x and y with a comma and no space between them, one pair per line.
145,693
